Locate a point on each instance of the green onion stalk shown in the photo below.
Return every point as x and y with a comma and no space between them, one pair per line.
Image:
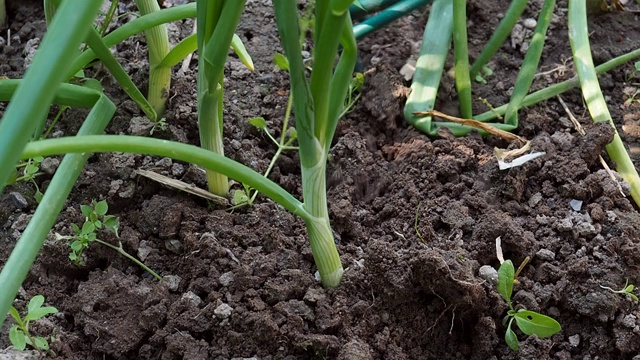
461,55
530,64
217,21
499,36
158,45
436,42
99,48
318,103
581,49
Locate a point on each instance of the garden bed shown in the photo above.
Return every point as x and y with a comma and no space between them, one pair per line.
415,217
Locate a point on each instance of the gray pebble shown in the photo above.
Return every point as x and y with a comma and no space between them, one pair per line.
140,126
535,199
585,228
576,205
530,23
191,298
574,340
546,255
226,278
144,250
564,225
172,281
177,170
49,165
488,273
223,311
164,163
18,200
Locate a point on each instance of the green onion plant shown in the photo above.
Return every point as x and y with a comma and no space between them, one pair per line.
583,61
318,103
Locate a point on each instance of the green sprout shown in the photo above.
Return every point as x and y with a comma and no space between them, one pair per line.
287,137
30,170
529,322
627,289
96,218
19,334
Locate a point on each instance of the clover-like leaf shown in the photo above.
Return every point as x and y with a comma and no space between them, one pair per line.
86,210
258,122
77,245
15,314
41,343
35,303
101,207
239,197
112,222
281,62
530,322
39,313
17,338
88,228
506,274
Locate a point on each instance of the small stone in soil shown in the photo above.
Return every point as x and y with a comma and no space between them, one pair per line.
191,299
564,225
223,311
172,281
546,255
530,23
140,126
175,246
576,205
488,273
226,278
574,340
144,250
177,170
164,163
18,200
49,165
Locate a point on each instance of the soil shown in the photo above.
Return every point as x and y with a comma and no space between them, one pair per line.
415,217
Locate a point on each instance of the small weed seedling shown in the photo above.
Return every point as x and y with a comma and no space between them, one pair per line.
626,290
288,136
529,322
19,334
96,218
30,170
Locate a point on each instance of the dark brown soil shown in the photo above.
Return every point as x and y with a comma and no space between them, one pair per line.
416,218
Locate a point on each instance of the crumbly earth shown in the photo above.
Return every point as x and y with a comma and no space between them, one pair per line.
416,217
